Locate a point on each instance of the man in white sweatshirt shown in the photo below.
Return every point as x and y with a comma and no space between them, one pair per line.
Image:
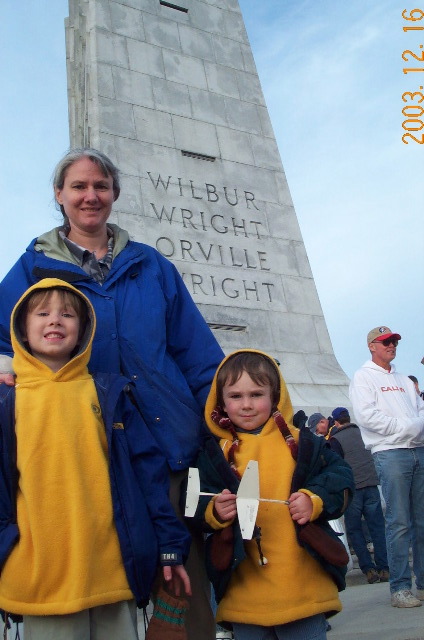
390,415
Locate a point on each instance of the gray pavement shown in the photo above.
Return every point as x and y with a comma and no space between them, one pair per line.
368,614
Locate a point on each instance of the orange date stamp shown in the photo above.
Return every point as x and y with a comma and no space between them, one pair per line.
413,109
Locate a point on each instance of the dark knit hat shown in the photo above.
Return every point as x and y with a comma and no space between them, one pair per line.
300,418
313,421
340,412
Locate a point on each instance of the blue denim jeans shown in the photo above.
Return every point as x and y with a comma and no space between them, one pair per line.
366,502
401,476
313,628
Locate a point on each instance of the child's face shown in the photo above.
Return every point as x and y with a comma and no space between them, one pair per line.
52,331
247,404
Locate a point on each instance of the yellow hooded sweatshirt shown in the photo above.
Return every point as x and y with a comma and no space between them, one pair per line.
292,585
68,556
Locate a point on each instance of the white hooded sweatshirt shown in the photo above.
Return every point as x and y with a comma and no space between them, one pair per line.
387,408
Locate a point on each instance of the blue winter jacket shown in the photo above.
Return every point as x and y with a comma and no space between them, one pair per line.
148,329
148,530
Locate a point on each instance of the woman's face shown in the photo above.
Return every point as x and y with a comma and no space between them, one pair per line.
87,196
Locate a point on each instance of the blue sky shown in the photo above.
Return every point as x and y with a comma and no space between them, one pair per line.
333,81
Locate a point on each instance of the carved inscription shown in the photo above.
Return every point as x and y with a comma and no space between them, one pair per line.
228,216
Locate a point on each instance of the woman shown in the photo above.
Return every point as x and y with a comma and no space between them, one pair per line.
148,327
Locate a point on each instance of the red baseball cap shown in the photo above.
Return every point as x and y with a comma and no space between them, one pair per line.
381,333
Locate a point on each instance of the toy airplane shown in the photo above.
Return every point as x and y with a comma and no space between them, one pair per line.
247,497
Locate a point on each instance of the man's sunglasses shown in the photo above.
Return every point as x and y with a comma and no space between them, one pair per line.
388,341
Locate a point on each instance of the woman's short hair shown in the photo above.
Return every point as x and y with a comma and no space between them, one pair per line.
105,165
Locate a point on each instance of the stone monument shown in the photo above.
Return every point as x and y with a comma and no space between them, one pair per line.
170,92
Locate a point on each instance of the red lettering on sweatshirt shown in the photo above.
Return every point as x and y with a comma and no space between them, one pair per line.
393,389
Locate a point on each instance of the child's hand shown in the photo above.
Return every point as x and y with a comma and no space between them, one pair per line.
8,379
300,507
225,505
176,575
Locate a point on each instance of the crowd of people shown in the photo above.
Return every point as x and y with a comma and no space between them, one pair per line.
112,385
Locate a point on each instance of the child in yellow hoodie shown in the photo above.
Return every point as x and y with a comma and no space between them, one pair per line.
85,518
276,585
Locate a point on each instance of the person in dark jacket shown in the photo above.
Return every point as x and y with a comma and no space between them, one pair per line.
148,327
416,385
346,440
85,514
250,411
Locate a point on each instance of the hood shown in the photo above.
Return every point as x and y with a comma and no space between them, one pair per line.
369,364
284,403
52,245
26,366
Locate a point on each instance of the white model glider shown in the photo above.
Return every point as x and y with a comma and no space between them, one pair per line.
247,497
